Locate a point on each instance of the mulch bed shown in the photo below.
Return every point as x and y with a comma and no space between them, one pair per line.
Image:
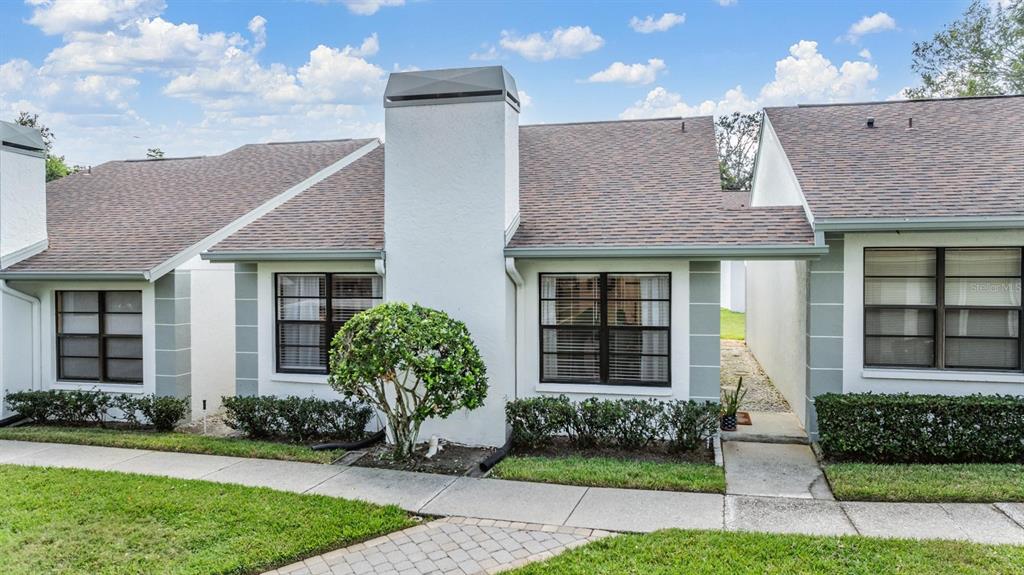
657,452
453,459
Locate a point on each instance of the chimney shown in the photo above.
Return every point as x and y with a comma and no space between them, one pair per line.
22,193
451,198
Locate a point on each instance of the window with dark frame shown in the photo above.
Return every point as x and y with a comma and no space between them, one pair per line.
99,336
605,328
311,308
944,308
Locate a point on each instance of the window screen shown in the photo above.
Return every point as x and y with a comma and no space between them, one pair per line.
99,336
956,308
605,328
311,308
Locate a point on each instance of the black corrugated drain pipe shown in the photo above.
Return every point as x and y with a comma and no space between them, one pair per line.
353,445
494,458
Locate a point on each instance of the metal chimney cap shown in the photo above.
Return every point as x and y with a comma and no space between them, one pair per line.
22,137
451,86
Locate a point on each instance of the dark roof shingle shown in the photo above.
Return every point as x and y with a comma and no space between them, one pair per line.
963,157
131,216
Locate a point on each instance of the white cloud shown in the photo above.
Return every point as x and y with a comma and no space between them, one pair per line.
571,42
143,45
63,16
370,7
258,29
630,73
877,22
489,53
525,99
803,76
649,24
865,53
727,2
660,103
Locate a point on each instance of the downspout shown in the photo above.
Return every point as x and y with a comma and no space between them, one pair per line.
36,332
517,281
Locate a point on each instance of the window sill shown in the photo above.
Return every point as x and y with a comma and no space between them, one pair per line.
598,389
135,388
944,375
299,378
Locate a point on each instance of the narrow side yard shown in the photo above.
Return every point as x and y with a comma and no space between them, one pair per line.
714,553
966,482
733,325
168,441
95,522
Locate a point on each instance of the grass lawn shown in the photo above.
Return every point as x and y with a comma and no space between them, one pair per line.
733,325
170,441
716,553
97,522
607,472
972,482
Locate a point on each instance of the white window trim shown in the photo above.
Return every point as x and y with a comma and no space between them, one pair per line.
944,375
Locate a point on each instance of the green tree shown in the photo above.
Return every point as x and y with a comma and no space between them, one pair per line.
410,362
56,167
154,153
737,135
980,54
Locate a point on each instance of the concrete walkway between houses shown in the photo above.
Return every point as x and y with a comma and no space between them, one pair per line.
514,510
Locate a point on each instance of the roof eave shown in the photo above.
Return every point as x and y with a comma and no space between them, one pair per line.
941,223
74,276
292,255
742,252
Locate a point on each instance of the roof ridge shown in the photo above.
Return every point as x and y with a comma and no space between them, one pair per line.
160,159
912,101
629,121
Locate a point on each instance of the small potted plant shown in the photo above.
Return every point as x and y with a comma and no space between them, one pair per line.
731,404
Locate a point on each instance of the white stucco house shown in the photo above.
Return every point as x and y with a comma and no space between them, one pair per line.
584,258
921,206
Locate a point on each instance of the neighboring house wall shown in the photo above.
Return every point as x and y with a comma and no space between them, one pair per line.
775,184
734,285
776,325
213,334
694,328
45,292
856,378
22,201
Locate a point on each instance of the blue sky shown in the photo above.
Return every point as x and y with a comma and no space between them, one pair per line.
115,77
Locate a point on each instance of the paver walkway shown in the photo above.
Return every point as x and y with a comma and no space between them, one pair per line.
450,546
553,505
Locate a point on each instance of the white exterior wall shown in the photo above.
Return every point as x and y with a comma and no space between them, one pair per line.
528,328
47,338
19,345
775,183
213,333
734,285
447,169
22,201
777,328
857,378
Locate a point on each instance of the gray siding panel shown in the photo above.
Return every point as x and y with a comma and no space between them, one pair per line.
173,324
246,330
824,327
705,319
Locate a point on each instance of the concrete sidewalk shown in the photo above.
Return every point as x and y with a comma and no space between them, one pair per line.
555,505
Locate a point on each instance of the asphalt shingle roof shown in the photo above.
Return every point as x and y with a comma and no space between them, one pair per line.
963,157
132,215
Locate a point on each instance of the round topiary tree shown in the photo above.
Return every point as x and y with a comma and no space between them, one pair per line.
411,363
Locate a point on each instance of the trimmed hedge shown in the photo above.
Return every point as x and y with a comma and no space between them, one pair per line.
623,423
94,407
297,419
903,428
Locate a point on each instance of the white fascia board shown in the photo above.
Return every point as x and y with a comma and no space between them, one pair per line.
767,128
76,276
211,240
292,255
717,252
919,223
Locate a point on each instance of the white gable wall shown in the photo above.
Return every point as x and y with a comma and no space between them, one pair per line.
22,201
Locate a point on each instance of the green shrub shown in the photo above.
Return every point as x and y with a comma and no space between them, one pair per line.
81,407
297,419
638,423
35,405
255,416
921,428
689,424
163,412
625,424
536,421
